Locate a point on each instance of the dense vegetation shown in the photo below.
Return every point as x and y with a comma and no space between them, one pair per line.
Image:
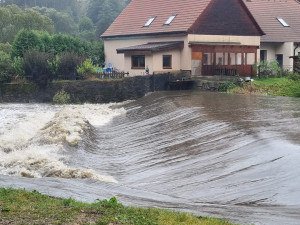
42,40
21,207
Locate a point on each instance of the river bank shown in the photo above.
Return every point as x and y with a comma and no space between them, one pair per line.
281,86
22,207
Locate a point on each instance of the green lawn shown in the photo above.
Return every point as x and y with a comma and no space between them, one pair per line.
22,207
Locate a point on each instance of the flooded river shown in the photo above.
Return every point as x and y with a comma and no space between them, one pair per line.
212,154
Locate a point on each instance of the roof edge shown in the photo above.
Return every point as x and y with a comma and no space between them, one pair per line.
143,35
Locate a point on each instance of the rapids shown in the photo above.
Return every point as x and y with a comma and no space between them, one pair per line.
227,156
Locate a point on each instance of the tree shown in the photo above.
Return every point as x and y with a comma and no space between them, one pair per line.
103,12
86,24
24,41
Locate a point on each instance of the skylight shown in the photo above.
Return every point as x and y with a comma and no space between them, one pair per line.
171,18
283,22
149,21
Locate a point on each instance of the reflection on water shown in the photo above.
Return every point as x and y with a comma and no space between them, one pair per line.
232,156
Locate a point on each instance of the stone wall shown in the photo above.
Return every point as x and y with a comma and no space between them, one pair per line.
87,91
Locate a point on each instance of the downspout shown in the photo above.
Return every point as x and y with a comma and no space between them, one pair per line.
297,46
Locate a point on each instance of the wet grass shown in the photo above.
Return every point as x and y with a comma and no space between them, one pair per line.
22,207
271,86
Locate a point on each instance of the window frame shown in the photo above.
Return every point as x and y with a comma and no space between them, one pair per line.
170,19
149,21
139,62
282,21
170,62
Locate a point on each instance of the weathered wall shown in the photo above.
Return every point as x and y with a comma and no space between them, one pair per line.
87,91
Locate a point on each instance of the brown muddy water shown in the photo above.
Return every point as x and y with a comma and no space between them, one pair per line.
227,156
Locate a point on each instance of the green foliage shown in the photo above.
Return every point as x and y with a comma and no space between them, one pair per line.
62,97
13,19
18,66
268,69
5,67
226,86
103,12
85,68
54,65
294,76
24,41
5,47
86,24
63,22
95,51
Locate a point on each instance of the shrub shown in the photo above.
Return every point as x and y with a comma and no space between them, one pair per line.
37,68
226,86
68,64
54,65
61,97
5,67
18,66
86,68
268,69
294,76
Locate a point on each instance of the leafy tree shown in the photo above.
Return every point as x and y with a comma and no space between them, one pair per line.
24,41
103,12
63,23
86,24
13,19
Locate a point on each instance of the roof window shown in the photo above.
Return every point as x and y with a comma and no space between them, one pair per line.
149,21
283,22
171,18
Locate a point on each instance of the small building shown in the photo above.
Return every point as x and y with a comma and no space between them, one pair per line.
280,20
206,37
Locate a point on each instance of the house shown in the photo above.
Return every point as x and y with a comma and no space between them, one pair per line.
280,20
206,37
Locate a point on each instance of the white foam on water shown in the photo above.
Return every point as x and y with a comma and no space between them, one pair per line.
33,145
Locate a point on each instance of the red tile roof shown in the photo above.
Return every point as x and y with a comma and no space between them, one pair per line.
133,18
223,17
266,12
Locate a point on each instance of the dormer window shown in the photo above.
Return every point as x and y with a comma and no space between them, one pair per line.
149,21
283,22
171,18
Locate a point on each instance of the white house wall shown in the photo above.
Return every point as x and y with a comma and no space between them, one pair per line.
122,61
286,49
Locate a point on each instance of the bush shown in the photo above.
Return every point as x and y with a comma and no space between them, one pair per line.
86,68
18,66
68,64
268,69
37,68
61,97
294,76
226,86
5,67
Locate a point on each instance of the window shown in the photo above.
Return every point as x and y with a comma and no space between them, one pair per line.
283,22
250,58
171,18
149,21
263,55
138,62
167,62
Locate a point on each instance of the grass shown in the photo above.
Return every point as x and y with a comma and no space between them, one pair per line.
22,207
281,86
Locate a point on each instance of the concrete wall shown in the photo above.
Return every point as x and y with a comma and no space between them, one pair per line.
87,91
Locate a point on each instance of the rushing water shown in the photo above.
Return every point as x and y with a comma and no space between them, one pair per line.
229,156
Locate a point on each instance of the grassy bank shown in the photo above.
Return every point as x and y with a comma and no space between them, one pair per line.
270,86
22,207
